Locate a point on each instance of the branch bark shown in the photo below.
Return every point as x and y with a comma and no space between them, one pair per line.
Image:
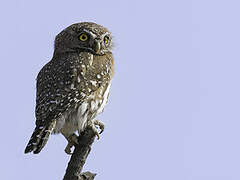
79,156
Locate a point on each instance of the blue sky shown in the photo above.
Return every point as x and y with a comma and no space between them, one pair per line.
174,106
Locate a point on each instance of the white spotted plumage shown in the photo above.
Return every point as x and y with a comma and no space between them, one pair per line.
73,87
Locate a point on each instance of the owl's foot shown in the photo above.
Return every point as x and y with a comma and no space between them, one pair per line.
100,125
72,140
95,124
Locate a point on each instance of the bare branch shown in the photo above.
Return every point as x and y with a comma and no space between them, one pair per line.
79,156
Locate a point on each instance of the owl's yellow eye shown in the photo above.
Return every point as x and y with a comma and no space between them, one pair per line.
106,39
83,37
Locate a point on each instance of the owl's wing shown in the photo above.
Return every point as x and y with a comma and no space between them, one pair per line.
55,95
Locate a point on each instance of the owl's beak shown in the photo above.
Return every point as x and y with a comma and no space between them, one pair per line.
97,46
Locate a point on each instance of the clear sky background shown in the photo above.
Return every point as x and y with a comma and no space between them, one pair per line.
174,107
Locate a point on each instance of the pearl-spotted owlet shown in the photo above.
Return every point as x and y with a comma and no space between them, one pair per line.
73,88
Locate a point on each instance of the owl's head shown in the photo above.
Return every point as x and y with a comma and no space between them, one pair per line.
85,36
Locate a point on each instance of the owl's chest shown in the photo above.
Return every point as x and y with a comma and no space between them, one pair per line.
98,100
91,77
77,118
89,109
94,79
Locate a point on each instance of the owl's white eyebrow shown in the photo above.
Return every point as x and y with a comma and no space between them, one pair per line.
104,34
92,34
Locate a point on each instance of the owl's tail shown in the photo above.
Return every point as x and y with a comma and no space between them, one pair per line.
39,138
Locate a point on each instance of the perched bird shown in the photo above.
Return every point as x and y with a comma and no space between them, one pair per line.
73,87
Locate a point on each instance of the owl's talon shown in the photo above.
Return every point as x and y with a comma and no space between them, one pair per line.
72,140
98,136
95,130
68,149
100,124
94,124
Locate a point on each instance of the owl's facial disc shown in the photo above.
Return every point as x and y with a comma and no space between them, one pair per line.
85,36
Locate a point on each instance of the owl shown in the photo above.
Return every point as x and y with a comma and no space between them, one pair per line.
73,87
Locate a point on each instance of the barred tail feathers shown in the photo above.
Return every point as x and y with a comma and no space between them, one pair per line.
39,138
